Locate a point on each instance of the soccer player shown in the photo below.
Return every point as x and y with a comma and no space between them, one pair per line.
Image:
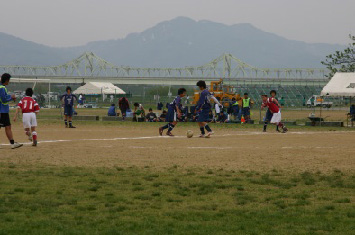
174,113
29,108
123,104
4,110
273,106
203,109
68,103
268,115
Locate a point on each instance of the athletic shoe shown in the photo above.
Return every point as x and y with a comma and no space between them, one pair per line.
30,137
264,130
202,136
72,127
34,143
208,135
169,134
16,145
160,131
284,129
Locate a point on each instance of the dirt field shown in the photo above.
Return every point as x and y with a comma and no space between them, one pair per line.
138,144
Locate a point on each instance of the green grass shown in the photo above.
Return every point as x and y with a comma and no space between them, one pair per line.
68,200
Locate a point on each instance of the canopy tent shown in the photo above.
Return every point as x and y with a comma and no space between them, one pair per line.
341,84
97,88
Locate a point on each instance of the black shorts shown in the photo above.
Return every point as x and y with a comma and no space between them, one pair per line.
5,120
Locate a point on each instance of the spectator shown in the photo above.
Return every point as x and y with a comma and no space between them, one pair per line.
111,98
217,108
80,100
235,108
138,111
112,110
123,105
352,112
222,118
247,103
151,117
162,117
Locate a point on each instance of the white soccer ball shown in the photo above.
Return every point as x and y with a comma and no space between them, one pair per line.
189,133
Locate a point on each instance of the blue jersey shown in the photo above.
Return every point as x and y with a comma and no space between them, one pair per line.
176,102
68,99
204,102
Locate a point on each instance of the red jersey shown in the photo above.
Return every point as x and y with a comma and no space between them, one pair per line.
274,108
28,105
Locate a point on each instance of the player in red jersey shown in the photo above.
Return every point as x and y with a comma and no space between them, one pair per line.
29,108
273,106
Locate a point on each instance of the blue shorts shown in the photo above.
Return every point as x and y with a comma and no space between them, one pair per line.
204,116
171,116
246,111
268,116
68,110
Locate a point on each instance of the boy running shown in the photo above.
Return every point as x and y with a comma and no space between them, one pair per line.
174,113
273,106
203,108
268,114
29,108
68,103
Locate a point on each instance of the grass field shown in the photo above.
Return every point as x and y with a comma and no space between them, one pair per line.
122,178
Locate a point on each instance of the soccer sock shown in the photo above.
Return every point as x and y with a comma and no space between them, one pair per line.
166,126
34,135
202,130
70,123
265,125
66,122
280,124
28,133
12,141
171,127
208,128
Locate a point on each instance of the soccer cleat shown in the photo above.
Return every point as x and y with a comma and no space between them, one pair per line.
160,131
72,127
264,130
34,143
169,134
209,135
16,145
284,129
202,136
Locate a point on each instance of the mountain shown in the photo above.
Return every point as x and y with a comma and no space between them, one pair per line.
178,43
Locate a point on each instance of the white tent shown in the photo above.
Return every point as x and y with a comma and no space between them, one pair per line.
341,84
98,88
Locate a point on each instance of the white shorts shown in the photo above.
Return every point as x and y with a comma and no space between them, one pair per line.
29,120
276,118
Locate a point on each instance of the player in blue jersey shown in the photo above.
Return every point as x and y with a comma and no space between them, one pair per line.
68,103
174,113
203,109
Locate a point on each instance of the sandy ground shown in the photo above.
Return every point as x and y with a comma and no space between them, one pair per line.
136,145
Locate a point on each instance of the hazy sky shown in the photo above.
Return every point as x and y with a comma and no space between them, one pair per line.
76,22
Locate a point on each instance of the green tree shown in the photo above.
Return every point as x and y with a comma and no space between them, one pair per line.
341,61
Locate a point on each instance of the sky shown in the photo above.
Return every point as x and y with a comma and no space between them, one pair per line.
63,23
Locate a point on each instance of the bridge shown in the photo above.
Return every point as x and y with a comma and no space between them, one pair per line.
90,67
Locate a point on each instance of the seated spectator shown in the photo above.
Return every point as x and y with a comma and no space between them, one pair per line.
162,116
151,117
352,112
222,118
112,110
138,111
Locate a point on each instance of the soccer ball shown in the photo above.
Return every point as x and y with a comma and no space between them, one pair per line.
189,134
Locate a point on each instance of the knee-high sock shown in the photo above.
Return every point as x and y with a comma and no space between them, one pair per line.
265,125
166,126
208,128
34,135
171,127
202,129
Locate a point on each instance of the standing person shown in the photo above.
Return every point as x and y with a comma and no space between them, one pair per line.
268,114
68,103
4,109
123,104
111,98
235,108
217,109
174,113
29,108
246,104
203,108
273,106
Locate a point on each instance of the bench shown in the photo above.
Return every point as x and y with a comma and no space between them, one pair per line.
115,118
326,124
86,118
